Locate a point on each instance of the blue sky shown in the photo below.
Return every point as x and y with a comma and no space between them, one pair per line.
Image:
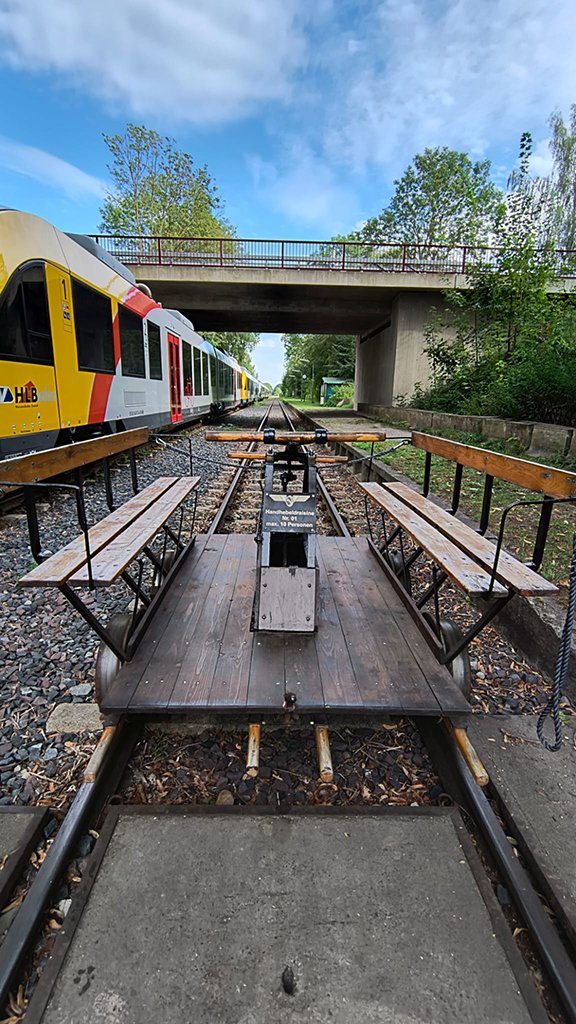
303,111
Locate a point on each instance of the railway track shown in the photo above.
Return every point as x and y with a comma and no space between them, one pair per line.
240,508
121,771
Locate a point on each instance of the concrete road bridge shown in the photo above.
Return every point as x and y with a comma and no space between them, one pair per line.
381,292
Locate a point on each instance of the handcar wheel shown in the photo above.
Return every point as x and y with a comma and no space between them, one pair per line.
108,664
459,667
399,569
158,576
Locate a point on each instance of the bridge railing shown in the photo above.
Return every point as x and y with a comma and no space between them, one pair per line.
386,257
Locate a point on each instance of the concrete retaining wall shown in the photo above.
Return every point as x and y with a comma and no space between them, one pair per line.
537,438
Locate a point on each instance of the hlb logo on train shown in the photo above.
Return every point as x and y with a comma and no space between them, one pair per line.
26,395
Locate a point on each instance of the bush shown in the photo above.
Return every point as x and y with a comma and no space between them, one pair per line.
539,386
342,395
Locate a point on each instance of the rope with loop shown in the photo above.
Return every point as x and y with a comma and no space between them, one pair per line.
553,706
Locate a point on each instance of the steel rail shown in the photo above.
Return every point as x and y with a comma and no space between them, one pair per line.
463,789
335,516
235,482
87,804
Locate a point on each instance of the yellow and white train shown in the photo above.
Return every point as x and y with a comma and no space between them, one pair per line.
84,350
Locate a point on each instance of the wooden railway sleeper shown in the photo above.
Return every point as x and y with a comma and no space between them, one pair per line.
326,770
253,753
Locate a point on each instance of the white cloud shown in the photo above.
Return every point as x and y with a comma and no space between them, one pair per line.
49,170
305,188
542,162
449,72
205,61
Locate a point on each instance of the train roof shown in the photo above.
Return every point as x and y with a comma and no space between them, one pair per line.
180,316
96,250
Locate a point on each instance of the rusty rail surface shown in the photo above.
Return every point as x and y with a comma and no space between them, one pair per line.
284,254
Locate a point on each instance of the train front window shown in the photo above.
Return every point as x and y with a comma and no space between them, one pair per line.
93,322
131,343
24,319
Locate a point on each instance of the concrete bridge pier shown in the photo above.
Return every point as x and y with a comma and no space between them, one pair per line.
390,361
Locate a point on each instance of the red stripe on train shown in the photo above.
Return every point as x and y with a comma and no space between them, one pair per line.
138,302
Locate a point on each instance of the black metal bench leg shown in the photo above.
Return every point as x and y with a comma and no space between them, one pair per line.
474,631
92,621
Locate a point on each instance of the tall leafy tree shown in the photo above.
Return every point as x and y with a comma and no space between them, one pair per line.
309,357
158,190
442,198
510,350
563,146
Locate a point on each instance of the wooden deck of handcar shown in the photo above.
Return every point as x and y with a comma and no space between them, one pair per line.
199,654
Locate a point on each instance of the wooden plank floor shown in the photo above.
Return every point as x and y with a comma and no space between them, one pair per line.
199,654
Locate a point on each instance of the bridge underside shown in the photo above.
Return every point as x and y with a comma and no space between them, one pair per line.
388,319
303,301
305,309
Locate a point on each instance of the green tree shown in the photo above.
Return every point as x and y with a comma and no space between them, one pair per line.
509,350
442,198
309,357
157,189
563,145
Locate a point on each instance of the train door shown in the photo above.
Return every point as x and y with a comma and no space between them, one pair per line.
174,377
28,401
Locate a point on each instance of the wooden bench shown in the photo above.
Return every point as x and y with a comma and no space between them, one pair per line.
103,553
116,541
478,566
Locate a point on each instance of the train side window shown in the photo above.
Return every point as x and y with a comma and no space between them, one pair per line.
198,370
205,383
187,368
24,318
131,343
93,322
154,351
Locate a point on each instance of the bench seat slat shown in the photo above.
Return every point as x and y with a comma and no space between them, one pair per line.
467,574
510,571
55,461
56,569
557,483
111,561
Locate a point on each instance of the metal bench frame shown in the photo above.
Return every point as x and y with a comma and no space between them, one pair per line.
166,565
398,563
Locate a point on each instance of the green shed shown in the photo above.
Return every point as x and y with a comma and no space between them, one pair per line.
329,385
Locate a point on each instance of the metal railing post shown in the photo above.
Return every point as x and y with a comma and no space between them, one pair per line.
159,251
343,255
221,252
464,252
282,256
403,257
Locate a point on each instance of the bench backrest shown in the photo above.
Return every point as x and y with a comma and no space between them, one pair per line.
44,465
555,483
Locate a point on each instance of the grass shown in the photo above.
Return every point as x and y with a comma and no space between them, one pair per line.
301,403
521,524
